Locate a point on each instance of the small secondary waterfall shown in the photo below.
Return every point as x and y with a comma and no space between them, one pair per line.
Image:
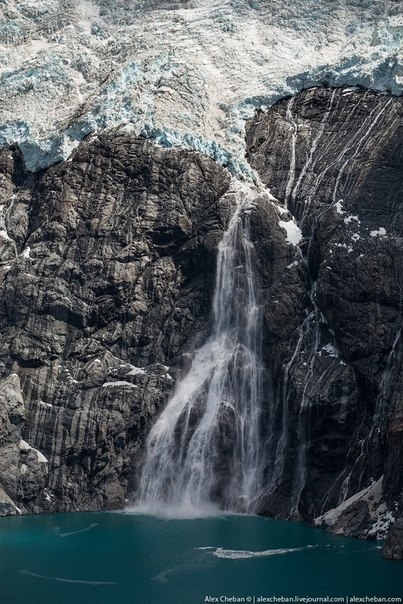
206,446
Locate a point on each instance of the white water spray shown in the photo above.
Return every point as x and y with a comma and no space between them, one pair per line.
206,446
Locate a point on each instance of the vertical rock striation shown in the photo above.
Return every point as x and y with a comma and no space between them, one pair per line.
333,158
107,270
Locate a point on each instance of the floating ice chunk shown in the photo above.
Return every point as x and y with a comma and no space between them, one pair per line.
293,231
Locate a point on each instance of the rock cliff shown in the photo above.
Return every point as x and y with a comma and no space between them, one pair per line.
107,272
333,158
107,267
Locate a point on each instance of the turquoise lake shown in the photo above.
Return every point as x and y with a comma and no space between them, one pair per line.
113,558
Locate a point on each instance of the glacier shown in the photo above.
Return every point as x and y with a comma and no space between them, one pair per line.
184,73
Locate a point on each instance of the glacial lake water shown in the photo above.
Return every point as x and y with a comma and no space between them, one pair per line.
116,558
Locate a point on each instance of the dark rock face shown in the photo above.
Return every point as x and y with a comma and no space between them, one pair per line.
334,158
107,267
393,548
106,281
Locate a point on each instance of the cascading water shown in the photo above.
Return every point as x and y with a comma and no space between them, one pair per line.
206,446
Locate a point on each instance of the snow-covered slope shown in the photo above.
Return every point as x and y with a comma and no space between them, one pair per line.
182,72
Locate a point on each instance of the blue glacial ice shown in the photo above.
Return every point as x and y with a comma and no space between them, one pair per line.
183,77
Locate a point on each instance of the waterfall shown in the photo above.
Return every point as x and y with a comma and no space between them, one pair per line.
206,446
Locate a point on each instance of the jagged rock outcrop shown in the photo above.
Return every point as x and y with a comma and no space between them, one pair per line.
107,272
23,469
333,158
107,268
393,548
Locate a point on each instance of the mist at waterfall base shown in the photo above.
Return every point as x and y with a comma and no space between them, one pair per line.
111,558
206,446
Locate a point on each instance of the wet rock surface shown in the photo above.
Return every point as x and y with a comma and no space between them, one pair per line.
333,158
393,548
107,275
107,269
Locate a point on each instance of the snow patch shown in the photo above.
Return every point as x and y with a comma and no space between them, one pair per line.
136,371
41,457
330,350
293,232
339,208
330,517
281,209
4,235
48,496
382,524
236,554
379,233
118,383
372,496
24,446
350,219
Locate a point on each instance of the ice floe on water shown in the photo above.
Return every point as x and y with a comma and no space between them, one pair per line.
240,554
